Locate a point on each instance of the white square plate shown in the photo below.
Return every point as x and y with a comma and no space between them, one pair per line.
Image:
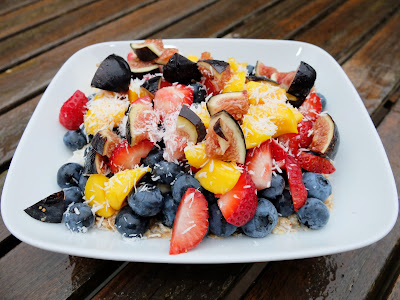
365,196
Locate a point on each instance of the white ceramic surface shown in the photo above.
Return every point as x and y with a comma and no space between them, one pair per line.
365,196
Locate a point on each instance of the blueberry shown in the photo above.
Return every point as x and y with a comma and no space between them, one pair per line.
284,204
154,157
82,182
314,214
79,217
250,69
323,100
169,210
72,194
217,223
276,188
181,184
166,172
263,222
147,201
199,92
317,185
129,224
210,197
74,139
69,174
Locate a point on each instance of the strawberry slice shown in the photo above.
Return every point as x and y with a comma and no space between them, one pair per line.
316,164
304,136
291,141
278,154
296,185
171,98
73,110
311,107
259,165
127,157
191,222
239,205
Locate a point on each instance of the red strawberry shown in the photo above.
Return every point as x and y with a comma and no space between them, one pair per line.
191,222
311,107
304,135
126,157
239,205
296,185
291,141
259,165
170,99
73,110
210,87
164,83
316,164
278,154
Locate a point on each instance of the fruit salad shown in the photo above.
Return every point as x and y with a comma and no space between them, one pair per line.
186,147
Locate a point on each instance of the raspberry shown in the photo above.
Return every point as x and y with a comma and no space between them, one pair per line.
73,110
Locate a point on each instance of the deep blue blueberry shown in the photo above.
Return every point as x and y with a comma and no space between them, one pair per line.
181,184
74,139
166,172
154,157
314,214
317,185
199,92
146,179
169,210
276,188
129,224
82,182
323,100
284,204
147,201
69,174
79,217
263,222
210,197
72,194
217,223
250,69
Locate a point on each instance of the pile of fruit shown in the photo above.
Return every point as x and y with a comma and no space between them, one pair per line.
198,144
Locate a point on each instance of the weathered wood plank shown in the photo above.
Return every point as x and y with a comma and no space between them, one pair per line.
4,233
214,19
164,281
7,6
59,30
22,82
347,275
395,292
36,13
32,273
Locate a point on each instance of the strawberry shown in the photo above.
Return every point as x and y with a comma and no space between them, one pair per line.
296,185
170,99
316,164
311,107
278,154
191,222
304,135
291,141
239,205
210,87
259,165
127,157
73,110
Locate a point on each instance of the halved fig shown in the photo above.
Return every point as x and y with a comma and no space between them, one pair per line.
49,210
95,163
142,120
217,71
262,70
152,85
263,79
326,136
139,70
225,139
189,124
180,69
148,50
165,56
302,84
235,103
113,74
104,142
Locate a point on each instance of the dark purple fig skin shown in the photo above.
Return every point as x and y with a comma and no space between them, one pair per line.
218,65
191,116
302,83
49,210
153,84
180,69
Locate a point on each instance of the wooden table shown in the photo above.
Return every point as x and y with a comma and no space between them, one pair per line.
36,38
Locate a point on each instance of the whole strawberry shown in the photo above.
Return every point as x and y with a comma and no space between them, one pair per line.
73,110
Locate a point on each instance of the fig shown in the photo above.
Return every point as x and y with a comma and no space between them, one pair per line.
262,70
325,136
302,84
263,79
235,103
104,142
113,74
180,69
217,71
152,85
148,50
95,163
191,125
139,70
165,56
225,139
49,210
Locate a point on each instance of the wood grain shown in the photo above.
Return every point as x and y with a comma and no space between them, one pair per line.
7,6
395,292
36,13
4,233
59,30
165,281
32,273
22,82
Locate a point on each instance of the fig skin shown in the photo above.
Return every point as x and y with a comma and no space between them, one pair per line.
326,137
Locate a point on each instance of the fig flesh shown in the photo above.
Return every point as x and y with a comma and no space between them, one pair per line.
325,136
191,125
